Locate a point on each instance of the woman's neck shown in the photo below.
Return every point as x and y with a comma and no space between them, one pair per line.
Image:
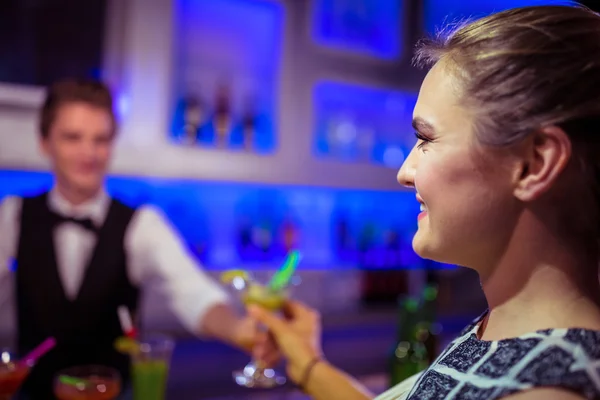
541,282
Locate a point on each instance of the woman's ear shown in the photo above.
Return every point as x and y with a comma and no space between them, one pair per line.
544,156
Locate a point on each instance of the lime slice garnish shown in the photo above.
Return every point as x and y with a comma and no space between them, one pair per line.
227,277
127,345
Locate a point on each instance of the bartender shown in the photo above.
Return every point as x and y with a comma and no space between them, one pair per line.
79,254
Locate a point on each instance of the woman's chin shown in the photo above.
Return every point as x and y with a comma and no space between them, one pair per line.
420,245
426,248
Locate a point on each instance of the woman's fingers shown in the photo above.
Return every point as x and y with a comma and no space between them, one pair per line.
275,324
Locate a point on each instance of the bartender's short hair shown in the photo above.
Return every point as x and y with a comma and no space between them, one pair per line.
89,91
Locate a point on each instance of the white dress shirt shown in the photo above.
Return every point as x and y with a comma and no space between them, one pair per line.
155,253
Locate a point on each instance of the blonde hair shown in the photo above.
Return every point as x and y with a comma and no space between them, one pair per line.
526,68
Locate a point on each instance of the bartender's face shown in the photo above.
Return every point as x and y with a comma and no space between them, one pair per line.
79,145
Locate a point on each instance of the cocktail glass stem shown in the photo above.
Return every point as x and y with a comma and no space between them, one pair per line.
255,375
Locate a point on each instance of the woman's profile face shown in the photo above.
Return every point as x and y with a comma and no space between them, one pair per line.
468,210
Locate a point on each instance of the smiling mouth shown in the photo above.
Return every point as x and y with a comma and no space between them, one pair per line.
422,208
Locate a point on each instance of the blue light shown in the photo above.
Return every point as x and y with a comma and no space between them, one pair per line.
441,12
368,27
237,43
365,124
209,215
393,157
12,265
123,105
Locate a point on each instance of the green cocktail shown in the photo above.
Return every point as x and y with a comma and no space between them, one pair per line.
150,367
149,379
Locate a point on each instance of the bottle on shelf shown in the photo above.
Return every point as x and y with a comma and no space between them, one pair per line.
262,235
429,318
289,233
409,353
366,242
249,124
193,118
222,118
343,236
372,284
391,249
244,237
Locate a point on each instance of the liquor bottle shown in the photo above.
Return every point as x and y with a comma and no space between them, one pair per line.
289,233
409,354
193,117
366,242
391,250
372,285
343,239
262,235
222,119
244,238
249,125
429,319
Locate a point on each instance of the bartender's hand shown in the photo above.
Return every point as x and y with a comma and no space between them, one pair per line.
298,336
223,323
249,338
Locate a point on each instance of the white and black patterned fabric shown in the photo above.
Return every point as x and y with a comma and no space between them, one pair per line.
471,368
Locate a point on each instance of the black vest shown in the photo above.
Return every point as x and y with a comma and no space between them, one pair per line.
85,328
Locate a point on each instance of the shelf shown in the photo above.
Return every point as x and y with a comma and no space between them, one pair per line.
372,29
170,161
362,124
438,13
21,96
225,224
226,73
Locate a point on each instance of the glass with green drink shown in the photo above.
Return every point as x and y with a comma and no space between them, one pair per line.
150,367
150,359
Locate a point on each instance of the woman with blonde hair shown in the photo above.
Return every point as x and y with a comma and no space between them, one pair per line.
506,168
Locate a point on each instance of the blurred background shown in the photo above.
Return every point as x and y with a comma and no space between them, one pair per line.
258,126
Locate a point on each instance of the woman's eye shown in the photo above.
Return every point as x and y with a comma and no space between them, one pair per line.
424,140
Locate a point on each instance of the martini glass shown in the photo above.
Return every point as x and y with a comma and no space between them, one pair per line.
254,291
12,374
87,382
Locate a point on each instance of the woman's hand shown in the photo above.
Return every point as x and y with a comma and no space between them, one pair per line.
298,336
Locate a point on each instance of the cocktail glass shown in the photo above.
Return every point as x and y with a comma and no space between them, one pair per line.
254,291
87,382
150,367
12,374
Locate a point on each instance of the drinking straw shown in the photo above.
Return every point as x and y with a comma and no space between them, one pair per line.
126,322
282,277
39,351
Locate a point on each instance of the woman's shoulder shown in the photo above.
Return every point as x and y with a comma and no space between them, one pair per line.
473,368
401,390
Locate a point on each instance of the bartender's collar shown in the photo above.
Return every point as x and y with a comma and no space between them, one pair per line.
94,208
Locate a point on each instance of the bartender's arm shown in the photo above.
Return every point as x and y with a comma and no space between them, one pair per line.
10,210
158,253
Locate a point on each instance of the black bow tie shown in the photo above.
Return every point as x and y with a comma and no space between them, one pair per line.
86,223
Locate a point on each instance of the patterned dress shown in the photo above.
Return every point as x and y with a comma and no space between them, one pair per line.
471,368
